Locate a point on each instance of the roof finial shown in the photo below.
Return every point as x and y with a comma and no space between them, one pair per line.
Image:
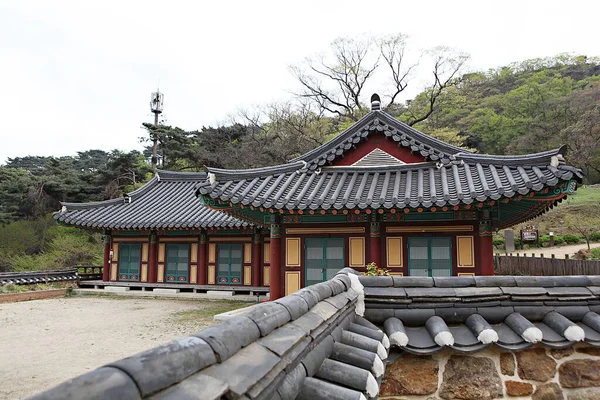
375,102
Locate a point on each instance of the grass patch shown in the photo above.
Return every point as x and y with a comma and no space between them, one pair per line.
583,202
207,311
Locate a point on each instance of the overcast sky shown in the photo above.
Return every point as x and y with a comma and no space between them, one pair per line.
77,75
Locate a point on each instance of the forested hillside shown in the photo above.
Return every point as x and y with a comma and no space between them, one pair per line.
525,107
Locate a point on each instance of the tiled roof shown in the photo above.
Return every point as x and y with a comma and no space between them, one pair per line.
451,176
309,345
380,121
472,313
314,344
410,185
166,202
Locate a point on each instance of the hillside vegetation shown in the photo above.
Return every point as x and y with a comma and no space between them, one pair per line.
525,107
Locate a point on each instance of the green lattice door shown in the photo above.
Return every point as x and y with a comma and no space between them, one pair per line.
229,268
178,263
323,258
430,256
129,261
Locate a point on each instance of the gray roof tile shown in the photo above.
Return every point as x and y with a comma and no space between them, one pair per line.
166,365
244,369
166,201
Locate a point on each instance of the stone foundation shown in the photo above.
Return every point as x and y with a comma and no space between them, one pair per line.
538,373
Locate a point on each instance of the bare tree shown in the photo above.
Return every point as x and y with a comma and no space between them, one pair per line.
447,65
335,82
284,130
392,49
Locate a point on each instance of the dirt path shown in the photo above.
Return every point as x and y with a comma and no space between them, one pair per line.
45,342
558,251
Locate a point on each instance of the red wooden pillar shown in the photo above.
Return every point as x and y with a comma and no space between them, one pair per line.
256,258
203,258
153,258
106,267
374,242
275,269
486,248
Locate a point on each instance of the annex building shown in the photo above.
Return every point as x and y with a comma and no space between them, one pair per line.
379,192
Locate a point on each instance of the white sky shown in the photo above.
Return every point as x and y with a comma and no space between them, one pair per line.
77,75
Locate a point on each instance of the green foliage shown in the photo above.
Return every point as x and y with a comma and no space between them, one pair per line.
595,253
374,270
525,107
42,245
498,242
573,239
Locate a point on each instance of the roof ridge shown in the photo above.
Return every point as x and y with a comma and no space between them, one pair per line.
180,175
104,203
253,172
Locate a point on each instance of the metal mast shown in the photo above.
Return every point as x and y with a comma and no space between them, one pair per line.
156,106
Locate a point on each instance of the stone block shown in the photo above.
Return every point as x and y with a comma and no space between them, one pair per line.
223,293
507,364
165,291
592,351
471,378
229,336
535,365
579,373
585,394
163,366
514,388
117,289
104,383
549,391
410,376
557,354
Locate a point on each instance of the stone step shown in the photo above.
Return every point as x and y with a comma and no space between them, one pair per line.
117,288
165,291
224,293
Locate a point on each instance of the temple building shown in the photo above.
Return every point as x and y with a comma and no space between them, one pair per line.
379,192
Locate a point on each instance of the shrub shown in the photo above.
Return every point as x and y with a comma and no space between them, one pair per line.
498,242
595,253
573,239
595,236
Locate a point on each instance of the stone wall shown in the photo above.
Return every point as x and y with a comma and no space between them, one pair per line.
538,373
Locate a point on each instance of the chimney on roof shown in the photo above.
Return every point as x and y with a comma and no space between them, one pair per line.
375,102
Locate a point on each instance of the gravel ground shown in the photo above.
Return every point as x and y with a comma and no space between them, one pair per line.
44,342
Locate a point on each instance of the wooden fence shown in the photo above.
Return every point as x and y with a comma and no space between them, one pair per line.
511,265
